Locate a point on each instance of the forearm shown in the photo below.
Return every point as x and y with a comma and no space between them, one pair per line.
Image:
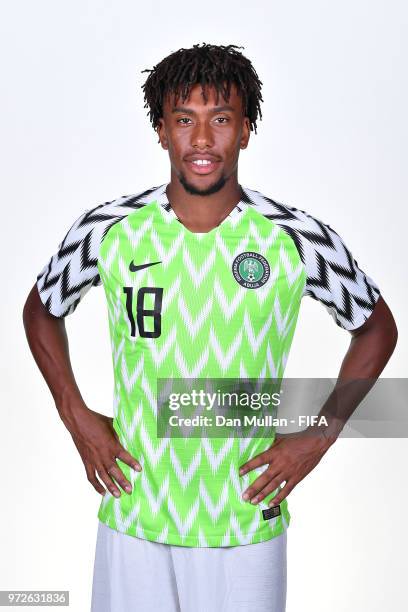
368,354
48,343
370,349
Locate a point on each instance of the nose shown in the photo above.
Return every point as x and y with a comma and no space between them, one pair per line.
201,136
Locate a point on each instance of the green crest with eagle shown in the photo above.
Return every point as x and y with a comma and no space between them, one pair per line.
250,269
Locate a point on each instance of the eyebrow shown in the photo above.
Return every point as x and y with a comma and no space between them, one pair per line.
189,111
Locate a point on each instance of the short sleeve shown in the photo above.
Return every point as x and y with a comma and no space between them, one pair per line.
72,269
334,277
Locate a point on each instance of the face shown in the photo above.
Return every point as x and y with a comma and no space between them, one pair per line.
204,139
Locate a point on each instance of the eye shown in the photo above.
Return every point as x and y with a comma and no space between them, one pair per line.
183,120
222,120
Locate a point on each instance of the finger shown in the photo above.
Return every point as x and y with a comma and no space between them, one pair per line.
271,486
115,472
90,473
127,458
107,480
258,485
255,462
283,493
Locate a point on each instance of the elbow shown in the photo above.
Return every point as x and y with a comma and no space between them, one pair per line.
27,312
387,339
393,337
390,331
384,328
30,307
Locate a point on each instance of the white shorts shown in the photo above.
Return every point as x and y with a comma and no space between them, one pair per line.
132,574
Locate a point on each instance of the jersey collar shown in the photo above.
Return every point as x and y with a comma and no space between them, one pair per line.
160,196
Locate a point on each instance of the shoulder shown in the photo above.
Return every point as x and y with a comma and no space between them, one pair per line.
283,213
311,234
93,224
72,268
333,275
121,206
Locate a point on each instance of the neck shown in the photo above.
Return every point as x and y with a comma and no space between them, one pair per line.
203,213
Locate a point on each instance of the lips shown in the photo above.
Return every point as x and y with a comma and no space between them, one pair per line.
202,164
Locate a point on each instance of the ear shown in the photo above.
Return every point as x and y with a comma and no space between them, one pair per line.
161,132
246,132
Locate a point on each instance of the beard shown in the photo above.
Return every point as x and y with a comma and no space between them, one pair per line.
217,186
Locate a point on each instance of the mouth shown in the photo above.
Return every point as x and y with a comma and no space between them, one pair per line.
202,165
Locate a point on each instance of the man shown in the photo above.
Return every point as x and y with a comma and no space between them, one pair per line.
203,278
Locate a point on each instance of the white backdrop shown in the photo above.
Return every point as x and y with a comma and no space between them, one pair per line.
332,142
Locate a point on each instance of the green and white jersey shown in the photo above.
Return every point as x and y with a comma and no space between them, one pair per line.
222,304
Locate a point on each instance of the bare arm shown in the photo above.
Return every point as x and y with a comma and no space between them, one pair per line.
370,349
92,432
293,456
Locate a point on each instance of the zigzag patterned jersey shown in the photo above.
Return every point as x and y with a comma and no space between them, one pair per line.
219,304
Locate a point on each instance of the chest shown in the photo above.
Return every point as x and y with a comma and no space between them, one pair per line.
160,277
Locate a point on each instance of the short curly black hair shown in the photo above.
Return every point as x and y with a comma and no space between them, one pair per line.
215,66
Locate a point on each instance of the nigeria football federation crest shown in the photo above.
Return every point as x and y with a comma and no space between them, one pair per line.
250,270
